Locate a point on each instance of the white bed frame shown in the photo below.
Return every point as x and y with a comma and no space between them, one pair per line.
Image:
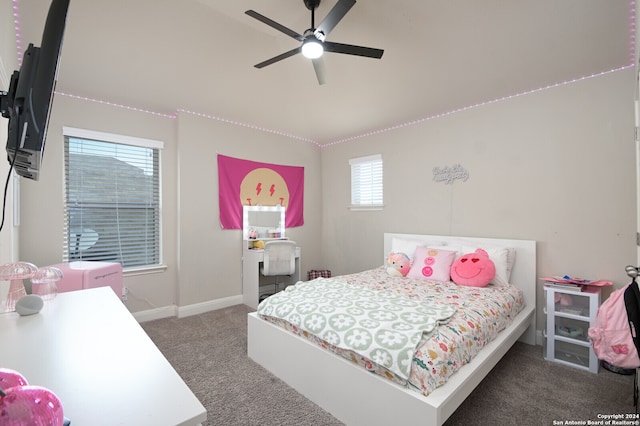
358,397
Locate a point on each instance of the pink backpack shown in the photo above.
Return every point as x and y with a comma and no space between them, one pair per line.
611,336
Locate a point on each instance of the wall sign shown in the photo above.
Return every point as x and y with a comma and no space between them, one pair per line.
450,174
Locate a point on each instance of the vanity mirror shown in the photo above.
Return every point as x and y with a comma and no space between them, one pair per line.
260,222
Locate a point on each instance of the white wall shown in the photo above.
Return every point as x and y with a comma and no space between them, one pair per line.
637,124
8,63
203,261
556,166
42,220
210,257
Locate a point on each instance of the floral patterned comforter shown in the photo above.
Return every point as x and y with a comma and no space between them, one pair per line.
376,324
481,313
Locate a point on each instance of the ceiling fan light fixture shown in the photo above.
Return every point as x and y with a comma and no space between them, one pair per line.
312,48
313,39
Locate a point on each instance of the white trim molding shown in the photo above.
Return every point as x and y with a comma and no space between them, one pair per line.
186,311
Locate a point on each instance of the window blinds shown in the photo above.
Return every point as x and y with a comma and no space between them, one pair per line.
366,181
112,202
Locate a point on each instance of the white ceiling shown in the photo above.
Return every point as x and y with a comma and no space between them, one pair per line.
198,55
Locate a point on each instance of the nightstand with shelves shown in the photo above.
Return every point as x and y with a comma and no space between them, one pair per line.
570,312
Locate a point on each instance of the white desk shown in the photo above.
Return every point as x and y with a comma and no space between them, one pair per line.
251,277
88,349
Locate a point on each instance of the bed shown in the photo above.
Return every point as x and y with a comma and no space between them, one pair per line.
356,396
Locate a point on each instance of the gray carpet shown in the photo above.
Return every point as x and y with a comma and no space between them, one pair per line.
209,351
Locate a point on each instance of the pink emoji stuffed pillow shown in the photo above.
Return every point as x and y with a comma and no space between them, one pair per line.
473,269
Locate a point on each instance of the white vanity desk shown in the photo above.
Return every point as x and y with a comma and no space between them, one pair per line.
88,349
251,277
264,223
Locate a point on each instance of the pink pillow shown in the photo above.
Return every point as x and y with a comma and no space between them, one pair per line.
473,269
432,264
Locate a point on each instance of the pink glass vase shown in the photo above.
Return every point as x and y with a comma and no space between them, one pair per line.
16,291
43,282
15,273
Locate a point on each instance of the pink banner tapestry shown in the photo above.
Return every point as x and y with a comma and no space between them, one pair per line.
243,182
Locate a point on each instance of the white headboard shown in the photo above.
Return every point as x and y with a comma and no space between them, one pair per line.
523,274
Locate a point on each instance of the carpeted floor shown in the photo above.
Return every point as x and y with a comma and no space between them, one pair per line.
209,351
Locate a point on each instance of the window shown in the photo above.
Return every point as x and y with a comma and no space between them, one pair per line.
366,182
112,203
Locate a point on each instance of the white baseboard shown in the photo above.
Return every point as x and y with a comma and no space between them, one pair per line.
156,313
211,305
185,311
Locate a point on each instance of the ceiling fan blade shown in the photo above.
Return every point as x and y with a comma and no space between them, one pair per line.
280,57
350,49
335,15
275,25
318,66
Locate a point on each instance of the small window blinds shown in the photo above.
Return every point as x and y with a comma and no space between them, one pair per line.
366,182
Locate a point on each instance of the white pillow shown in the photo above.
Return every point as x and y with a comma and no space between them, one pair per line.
511,259
500,258
408,245
457,249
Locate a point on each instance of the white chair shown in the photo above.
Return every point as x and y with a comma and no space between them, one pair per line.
279,259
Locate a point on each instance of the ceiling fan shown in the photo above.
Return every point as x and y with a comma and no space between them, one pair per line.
314,39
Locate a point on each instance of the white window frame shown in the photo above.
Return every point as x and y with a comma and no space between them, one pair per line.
367,183
123,140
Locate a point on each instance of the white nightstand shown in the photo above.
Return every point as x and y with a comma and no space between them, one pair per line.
568,323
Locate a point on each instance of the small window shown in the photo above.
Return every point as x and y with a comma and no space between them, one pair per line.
366,182
112,199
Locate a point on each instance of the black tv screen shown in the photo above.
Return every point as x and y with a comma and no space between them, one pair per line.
27,103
